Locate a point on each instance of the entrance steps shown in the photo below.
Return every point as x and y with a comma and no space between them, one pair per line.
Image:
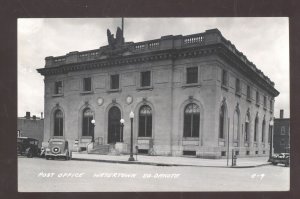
100,149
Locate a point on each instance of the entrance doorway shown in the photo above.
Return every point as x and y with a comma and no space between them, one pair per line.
114,117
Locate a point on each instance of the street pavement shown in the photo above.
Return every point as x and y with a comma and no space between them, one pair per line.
172,161
40,175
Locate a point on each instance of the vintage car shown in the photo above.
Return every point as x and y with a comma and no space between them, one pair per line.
58,148
282,158
28,147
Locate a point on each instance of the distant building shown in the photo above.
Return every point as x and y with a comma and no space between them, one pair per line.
32,127
281,134
188,94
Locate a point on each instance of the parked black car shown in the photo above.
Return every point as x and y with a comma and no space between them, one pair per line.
282,158
28,147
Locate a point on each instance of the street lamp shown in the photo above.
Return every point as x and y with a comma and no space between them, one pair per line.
122,127
131,158
271,139
93,129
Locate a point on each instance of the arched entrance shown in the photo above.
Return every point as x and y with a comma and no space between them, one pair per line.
114,116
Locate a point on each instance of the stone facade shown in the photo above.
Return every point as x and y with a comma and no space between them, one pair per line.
218,65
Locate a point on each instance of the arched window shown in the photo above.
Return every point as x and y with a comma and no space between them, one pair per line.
191,120
87,117
263,131
255,128
236,124
247,127
222,122
58,123
145,121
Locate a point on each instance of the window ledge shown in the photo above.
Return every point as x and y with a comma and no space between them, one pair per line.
225,87
58,95
190,138
145,88
257,104
57,137
86,137
249,99
265,108
238,93
86,92
114,90
191,85
144,138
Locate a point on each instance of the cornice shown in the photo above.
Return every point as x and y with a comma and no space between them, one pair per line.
129,59
183,53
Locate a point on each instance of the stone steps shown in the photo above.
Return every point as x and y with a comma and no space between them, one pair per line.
100,149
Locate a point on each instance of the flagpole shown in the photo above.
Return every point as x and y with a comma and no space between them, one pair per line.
123,26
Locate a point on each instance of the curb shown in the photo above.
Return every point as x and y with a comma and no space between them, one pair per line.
164,164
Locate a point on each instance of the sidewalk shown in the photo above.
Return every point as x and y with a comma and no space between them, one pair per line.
172,161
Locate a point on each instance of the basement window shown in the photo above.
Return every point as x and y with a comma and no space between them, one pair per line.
223,153
193,153
143,151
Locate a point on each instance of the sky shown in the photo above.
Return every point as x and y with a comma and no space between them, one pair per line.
265,42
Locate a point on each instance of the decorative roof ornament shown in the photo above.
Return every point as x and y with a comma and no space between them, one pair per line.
115,42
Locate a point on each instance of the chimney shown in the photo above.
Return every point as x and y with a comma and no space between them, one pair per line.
281,113
34,117
27,115
41,115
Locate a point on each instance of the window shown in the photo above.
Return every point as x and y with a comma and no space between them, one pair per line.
236,125
58,87
263,131
87,84
114,81
222,122
192,75
237,86
145,121
282,130
265,101
271,105
248,93
87,127
145,79
191,120
224,78
257,98
255,129
247,128
58,123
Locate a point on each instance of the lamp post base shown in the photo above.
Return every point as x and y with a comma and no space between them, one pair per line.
131,158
